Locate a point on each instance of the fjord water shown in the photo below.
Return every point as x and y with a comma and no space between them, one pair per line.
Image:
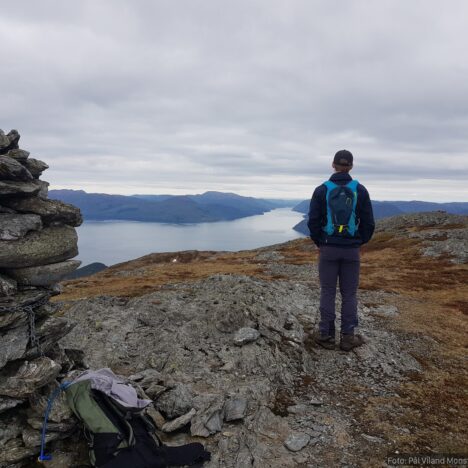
113,242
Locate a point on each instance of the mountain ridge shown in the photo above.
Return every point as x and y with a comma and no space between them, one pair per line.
180,209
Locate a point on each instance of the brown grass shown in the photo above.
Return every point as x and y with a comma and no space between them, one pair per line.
299,252
433,405
149,273
396,265
429,227
432,299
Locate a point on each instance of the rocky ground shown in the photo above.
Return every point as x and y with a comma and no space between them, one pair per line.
220,341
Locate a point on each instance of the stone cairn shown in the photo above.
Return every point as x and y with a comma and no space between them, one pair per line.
37,241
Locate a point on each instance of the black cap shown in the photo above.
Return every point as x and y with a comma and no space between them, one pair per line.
343,158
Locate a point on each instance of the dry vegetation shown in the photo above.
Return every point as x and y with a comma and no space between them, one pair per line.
150,272
431,294
433,299
299,252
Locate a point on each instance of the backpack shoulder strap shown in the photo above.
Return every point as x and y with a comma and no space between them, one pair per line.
353,185
328,228
330,185
352,222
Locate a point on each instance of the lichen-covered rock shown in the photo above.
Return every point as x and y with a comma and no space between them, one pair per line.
8,141
24,297
15,226
50,211
286,383
8,287
14,451
43,275
385,310
32,437
209,417
15,317
65,425
454,246
4,141
19,154
49,331
297,441
245,335
13,343
21,380
439,234
60,410
10,188
11,169
50,245
235,408
7,403
35,167
402,223
10,428
44,188
147,377
155,390
175,402
179,422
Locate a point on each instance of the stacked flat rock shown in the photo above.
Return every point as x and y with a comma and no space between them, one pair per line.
37,241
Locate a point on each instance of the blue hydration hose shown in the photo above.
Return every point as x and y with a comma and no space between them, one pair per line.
50,402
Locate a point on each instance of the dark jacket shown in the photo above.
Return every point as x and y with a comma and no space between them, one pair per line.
318,215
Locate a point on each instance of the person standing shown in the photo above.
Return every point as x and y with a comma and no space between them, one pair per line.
340,221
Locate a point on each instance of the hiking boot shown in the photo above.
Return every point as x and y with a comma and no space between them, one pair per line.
349,342
325,341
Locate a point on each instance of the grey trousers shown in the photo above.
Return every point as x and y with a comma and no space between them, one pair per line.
338,263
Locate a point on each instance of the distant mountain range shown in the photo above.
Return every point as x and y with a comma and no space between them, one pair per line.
207,207
216,206
385,209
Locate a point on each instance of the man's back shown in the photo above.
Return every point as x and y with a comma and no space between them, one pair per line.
318,215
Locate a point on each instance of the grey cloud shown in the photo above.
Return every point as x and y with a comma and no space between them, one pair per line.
249,96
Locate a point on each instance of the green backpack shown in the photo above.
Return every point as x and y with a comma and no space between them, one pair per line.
107,427
119,436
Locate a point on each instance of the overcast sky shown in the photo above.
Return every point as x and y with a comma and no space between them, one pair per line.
252,97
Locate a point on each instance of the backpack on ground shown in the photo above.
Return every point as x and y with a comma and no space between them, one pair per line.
341,209
123,437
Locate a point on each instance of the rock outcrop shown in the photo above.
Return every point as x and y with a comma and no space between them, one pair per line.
227,362
221,343
440,234
37,241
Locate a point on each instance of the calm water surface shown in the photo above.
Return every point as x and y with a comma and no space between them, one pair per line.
112,242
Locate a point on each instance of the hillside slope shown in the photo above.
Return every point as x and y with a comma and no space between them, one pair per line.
171,323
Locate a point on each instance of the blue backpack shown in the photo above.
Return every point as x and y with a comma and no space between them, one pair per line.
341,209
